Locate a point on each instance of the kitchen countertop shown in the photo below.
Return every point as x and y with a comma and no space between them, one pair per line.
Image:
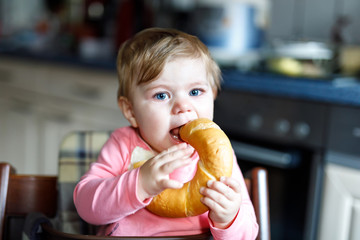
343,91
69,60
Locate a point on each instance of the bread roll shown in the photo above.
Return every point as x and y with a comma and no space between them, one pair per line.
216,160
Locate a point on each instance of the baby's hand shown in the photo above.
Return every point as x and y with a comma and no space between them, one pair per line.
154,174
223,198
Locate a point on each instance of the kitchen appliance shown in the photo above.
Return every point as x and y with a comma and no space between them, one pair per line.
228,28
290,138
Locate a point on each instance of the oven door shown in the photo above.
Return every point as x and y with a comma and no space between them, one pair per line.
290,187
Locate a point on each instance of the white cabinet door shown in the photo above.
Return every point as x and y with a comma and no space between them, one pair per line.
41,103
313,19
282,20
351,9
318,19
340,213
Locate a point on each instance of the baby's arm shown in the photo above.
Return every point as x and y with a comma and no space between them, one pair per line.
101,199
107,191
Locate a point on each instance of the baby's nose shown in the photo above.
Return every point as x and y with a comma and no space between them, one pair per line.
182,105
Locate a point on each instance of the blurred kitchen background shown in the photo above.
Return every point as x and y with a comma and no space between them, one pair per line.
290,100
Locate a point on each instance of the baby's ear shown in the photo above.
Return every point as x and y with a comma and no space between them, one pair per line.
127,110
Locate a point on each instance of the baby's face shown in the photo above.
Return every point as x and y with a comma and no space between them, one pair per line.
180,94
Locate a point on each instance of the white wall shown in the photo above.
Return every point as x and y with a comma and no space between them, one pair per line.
312,19
41,103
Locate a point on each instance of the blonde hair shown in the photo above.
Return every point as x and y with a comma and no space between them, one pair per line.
142,58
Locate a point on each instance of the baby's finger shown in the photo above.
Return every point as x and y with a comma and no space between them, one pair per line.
213,194
169,183
221,188
212,204
173,149
174,153
232,183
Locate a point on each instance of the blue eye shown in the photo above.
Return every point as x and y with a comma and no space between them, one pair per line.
195,92
161,96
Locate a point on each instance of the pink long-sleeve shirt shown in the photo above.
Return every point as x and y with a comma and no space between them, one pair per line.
107,195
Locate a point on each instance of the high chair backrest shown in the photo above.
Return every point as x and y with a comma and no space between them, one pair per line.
21,195
77,151
5,170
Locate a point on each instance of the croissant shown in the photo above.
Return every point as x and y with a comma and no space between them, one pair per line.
216,160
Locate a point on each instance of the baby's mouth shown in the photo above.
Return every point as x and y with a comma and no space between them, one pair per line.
175,133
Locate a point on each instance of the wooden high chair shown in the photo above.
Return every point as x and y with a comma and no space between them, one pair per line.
23,194
24,197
